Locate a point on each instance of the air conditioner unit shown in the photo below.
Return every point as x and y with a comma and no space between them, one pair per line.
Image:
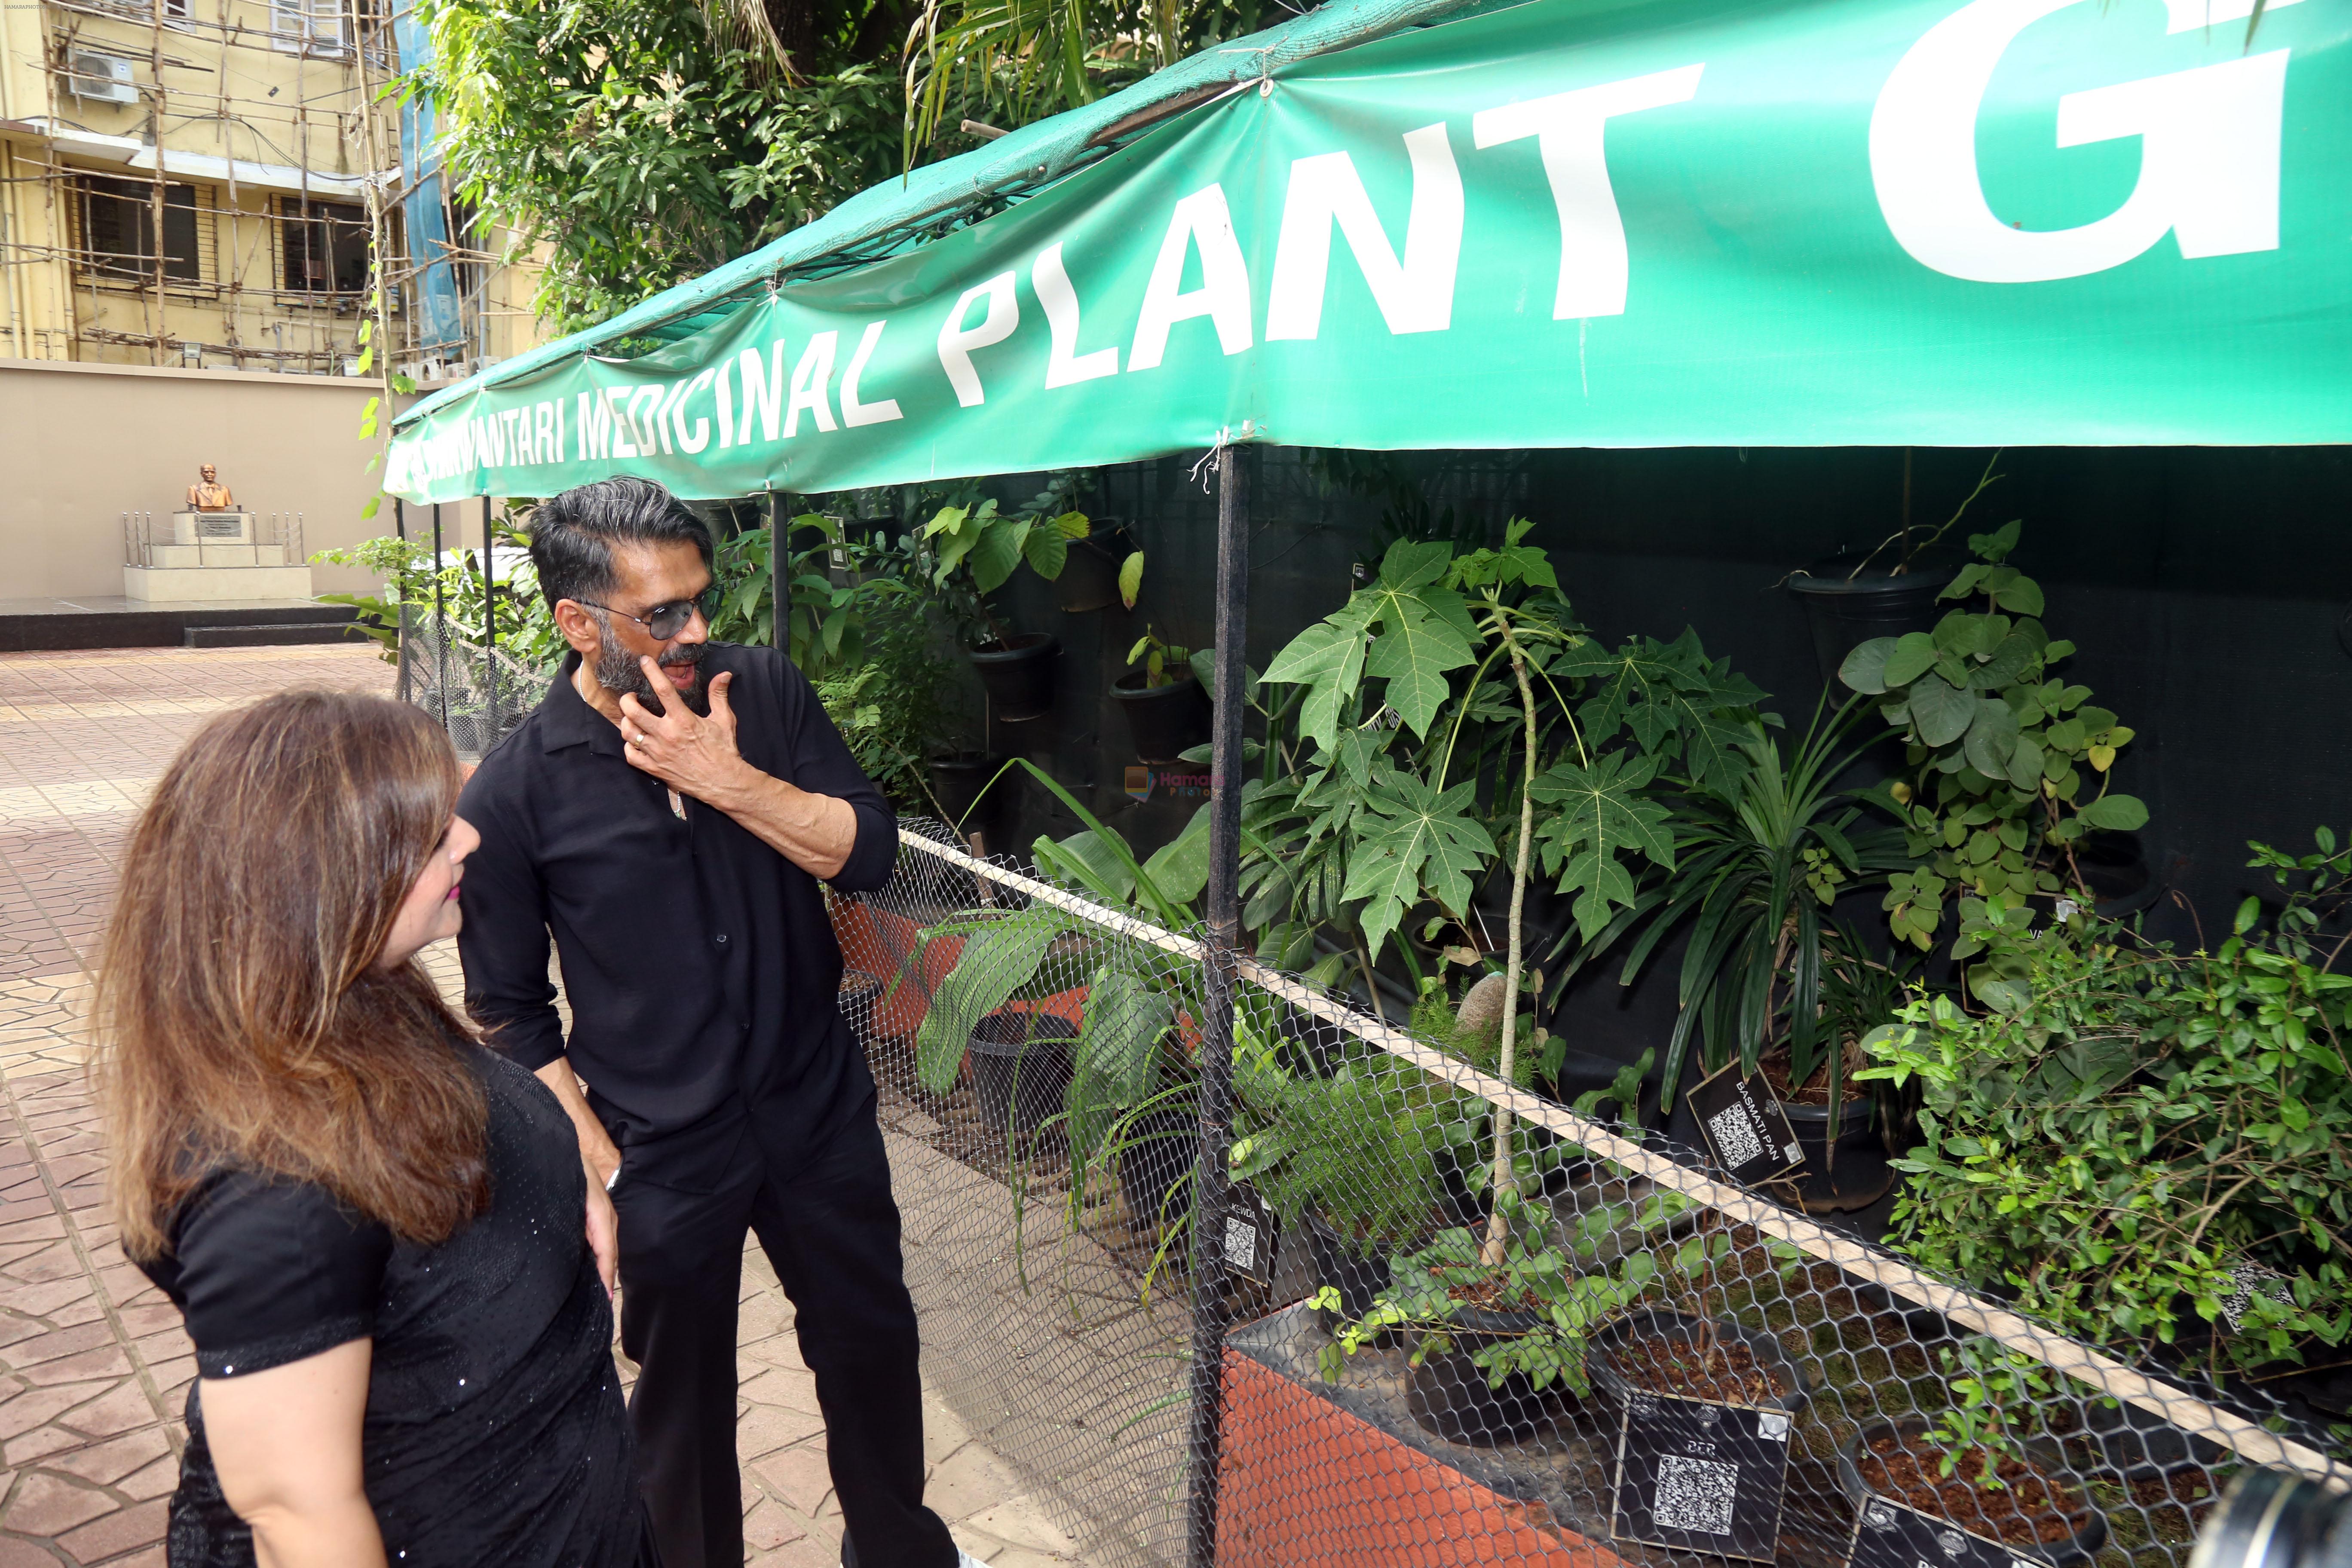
100,78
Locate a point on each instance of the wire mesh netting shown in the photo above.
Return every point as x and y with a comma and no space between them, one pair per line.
1458,1322
478,694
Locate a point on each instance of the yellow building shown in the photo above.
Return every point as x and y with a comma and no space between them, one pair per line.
202,183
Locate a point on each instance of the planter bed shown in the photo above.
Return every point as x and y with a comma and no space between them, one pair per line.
1318,1472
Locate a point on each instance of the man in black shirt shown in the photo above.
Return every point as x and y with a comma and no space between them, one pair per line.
667,812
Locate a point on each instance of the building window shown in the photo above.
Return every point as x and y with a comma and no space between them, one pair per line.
325,246
308,28
117,228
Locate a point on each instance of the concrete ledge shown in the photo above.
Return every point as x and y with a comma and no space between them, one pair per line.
186,585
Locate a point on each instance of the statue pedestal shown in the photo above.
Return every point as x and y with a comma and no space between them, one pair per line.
212,527
213,555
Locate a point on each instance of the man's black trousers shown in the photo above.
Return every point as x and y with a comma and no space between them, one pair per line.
832,1232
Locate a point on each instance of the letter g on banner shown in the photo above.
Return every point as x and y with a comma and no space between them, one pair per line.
2209,170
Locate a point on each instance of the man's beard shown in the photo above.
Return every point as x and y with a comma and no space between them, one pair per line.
618,672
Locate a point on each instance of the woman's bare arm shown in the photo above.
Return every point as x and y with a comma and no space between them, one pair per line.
286,1443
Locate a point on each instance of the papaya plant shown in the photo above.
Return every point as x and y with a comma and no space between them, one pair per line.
2009,763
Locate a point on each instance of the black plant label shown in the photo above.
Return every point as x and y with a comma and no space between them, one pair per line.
1888,1535
1692,1473
1249,1233
1744,1126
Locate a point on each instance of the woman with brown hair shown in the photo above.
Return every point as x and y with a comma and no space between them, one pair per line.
379,1231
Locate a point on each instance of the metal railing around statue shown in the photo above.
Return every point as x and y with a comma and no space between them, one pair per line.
1662,1367
476,694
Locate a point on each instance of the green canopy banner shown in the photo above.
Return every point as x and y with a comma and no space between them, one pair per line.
1640,223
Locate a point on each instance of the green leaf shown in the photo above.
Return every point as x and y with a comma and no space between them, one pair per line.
1603,816
2009,660
1413,564
1940,713
1991,738
1180,868
1328,660
995,554
1913,654
1124,1018
1427,847
2025,764
2021,597
1864,670
1047,550
2121,812
1130,579
998,959
1074,525
368,510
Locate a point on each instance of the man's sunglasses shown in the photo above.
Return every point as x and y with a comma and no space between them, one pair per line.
664,622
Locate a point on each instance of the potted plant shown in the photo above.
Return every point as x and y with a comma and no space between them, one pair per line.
1351,1155
1979,1467
1021,1063
1496,1339
1166,706
1762,846
1099,573
1888,592
1704,1408
976,550
2126,1136
2010,765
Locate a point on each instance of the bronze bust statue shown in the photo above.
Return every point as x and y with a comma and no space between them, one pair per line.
208,494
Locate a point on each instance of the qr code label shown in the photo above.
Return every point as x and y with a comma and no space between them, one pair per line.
1241,1242
1735,1136
1696,1495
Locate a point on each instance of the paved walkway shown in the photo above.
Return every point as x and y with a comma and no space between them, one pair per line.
93,1365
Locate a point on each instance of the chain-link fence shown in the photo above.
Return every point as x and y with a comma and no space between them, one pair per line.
478,694
1638,1359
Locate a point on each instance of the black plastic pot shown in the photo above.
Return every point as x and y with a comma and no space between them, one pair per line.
1166,721
1019,675
2115,870
1089,579
1021,1066
974,798
1844,613
2082,1548
1859,1175
1544,913
1448,1392
1157,1157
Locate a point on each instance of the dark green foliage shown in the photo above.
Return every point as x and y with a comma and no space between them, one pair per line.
1998,746
640,145
2128,1128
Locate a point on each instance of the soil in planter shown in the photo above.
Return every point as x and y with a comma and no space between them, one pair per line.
1724,1373
2029,1509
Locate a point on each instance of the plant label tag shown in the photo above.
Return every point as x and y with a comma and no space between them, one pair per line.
1744,1126
1888,1535
1692,1473
2248,1279
1249,1233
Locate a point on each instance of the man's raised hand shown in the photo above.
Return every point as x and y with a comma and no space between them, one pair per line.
692,754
